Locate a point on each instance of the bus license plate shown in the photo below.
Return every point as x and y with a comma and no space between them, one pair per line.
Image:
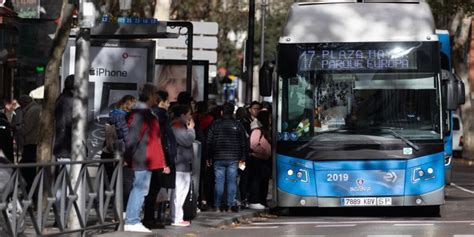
367,201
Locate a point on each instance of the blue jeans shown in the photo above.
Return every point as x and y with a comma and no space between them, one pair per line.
141,185
225,170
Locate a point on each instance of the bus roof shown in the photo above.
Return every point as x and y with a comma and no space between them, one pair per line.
321,22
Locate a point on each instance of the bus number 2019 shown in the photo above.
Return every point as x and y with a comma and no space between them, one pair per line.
337,177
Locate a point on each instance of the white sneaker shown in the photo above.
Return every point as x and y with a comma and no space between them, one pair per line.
256,206
136,228
181,223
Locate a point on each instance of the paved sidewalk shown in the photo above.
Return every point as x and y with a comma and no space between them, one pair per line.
203,221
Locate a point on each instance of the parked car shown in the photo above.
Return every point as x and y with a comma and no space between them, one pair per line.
457,136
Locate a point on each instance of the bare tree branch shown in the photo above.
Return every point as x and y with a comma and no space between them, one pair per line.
51,83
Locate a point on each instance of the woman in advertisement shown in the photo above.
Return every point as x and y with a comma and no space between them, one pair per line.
172,79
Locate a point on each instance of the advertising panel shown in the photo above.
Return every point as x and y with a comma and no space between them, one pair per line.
170,75
118,68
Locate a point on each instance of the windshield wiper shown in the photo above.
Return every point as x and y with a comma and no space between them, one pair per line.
398,135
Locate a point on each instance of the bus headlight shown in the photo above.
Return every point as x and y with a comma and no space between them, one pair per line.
422,173
290,172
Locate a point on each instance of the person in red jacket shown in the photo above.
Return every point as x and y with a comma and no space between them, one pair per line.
144,152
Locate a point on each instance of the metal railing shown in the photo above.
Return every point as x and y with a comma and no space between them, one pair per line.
52,197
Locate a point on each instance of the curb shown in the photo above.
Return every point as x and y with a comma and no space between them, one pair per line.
216,220
203,220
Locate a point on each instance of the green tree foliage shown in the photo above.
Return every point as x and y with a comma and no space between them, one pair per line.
456,15
276,16
445,10
233,17
230,17
139,8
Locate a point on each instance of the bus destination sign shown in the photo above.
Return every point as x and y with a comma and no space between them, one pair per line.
358,60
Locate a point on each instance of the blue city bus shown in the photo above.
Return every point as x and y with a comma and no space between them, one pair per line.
445,59
359,102
447,67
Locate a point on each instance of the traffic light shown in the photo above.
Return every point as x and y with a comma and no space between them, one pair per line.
40,69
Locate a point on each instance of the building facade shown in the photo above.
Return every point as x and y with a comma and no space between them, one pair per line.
9,40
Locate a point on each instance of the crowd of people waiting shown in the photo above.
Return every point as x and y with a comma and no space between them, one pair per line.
158,142
157,139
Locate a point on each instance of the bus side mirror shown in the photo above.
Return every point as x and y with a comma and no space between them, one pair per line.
461,92
265,78
450,88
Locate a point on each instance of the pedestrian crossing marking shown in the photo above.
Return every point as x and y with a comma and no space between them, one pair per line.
255,227
329,226
417,222
301,236
389,236
414,224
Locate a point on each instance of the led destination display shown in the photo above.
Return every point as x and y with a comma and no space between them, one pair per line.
358,59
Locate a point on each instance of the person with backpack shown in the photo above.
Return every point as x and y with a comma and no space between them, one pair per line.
259,164
144,152
227,144
183,128
118,118
116,129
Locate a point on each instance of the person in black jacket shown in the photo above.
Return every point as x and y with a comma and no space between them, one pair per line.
6,137
247,118
63,118
159,181
227,146
252,113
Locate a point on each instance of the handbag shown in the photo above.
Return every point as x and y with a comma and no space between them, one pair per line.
259,150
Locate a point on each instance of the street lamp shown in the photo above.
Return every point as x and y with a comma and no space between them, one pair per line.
249,51
263,25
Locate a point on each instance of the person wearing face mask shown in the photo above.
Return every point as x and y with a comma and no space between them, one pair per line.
183,129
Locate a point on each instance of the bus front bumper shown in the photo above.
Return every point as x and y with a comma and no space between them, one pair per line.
285,199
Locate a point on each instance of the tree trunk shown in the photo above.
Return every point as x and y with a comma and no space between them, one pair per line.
162,10
79,124
51,84
460,28
456,21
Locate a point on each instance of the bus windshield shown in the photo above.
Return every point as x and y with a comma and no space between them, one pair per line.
358,89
